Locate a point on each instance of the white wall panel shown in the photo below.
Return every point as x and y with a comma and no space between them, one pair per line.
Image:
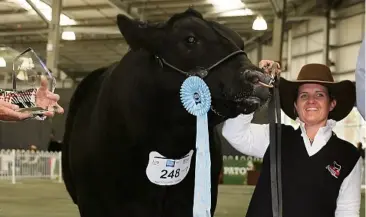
333,37
346,58
314,58
315,42
340,77
266,52
296,65
252,55
284,50
349,29
300,29
333,41
316,24
299,46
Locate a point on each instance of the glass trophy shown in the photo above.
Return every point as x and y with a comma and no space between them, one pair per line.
28,70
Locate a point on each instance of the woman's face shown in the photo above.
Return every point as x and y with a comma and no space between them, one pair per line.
313,104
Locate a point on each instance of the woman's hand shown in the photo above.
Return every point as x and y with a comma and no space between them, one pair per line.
48,100
8,112
271,67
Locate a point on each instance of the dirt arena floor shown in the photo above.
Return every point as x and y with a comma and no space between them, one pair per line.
45,198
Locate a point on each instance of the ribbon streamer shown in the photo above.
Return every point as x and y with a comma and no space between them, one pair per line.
196,98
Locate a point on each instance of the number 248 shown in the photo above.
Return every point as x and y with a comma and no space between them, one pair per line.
172,174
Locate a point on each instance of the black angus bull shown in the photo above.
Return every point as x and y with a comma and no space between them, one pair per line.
120,115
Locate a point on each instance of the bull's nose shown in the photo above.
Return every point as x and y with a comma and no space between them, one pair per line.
258,77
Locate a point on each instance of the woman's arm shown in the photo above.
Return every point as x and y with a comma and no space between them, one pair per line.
349,198
250,139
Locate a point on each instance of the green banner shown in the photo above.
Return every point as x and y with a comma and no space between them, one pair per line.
236,165
235,169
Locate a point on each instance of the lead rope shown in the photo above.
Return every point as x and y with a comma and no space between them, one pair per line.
274,115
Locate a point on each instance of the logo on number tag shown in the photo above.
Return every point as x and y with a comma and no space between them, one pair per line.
170,163
163,171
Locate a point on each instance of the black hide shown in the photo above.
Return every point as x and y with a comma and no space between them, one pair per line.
120,115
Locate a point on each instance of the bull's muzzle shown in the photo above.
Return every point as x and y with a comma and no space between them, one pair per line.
260,78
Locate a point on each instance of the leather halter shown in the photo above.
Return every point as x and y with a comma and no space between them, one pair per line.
200,72
274,115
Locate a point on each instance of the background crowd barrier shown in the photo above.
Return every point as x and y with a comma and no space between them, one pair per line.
16,165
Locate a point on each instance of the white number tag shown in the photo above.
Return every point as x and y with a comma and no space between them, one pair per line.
163,171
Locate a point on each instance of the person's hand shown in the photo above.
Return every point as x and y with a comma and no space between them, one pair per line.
8,112
48,100
270,67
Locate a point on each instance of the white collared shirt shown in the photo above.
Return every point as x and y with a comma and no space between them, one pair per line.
253,139
321,138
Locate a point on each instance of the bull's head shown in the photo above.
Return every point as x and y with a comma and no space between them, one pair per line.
188,43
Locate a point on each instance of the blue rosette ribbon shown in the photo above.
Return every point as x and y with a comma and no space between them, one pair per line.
196,98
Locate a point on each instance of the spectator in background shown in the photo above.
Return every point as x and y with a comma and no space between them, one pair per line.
54,145
360,80
361,150
33,148
12,101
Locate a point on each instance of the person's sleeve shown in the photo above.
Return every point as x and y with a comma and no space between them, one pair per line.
360,80
23,99
247,138
349,199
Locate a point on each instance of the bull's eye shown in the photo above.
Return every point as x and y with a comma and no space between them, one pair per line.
191,40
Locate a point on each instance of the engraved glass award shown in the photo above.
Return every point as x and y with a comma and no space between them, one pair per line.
28,70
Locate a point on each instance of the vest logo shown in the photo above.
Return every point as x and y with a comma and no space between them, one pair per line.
334,169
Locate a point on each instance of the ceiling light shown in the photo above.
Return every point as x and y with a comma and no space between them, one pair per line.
240,12
45,9
259,23
69,36
222,5
2,62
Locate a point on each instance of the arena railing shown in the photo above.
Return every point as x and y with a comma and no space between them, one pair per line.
16,165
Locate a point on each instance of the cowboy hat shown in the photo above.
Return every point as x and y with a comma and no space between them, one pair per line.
343,92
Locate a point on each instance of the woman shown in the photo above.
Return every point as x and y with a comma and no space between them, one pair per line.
12,101
321,173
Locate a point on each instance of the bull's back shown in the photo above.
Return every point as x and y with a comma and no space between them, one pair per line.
79,112
85,92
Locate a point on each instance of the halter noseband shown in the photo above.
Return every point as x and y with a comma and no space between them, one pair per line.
200,72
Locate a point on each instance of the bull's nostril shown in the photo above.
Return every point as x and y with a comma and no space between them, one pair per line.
257,78
251,76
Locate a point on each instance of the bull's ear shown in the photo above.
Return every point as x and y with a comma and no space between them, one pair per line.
139,35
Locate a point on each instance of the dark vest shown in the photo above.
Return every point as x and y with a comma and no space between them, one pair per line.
310,183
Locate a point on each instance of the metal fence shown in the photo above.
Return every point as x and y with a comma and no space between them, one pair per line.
16,165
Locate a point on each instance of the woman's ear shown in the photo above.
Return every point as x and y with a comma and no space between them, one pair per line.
333,104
